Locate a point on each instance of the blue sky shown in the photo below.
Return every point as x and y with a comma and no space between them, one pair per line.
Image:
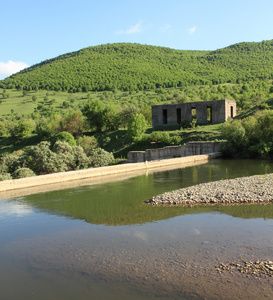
33,31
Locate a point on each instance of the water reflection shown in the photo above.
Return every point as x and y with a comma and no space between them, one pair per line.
122,202
14,208
55,245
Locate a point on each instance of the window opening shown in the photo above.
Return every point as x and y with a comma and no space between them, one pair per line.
165,116
178,115
193,114
231,111
209,115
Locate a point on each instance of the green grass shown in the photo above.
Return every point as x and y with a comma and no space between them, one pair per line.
25,105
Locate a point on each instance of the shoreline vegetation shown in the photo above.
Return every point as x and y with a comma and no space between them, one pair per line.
63,180
257,189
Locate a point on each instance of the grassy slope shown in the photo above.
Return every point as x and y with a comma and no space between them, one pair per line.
231,60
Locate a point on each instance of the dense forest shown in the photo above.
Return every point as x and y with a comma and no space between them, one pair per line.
135,67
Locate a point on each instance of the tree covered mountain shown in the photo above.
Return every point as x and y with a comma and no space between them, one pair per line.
126,67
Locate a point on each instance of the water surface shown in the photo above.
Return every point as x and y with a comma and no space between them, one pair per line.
104,242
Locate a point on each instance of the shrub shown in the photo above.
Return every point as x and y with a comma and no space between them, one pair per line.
94,112
46,128
64,155
44,161
23,129
186,124
73,123
65,137
9,163
3,129
156,136
175,140
251,137
99,157
88,143
61,147
136,127
22,173
165,138
80,159
5,176
73,158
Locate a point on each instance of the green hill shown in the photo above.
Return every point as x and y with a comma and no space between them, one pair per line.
139,67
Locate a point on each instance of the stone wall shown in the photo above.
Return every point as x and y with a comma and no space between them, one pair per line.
192,148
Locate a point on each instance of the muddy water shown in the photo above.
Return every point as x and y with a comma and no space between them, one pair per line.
104,242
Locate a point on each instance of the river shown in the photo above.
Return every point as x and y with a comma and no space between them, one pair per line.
104,242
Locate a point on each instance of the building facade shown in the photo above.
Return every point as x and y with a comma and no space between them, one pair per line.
203,112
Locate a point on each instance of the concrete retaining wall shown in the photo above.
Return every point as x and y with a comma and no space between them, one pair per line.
192,148
38,184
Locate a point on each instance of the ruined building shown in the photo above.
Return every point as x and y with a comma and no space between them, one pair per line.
204,112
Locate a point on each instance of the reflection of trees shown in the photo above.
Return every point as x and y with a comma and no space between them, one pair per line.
123,202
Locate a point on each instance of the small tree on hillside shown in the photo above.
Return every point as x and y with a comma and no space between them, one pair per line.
136,127
23,128
94,112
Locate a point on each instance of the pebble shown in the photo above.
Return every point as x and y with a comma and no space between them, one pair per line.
244,190
258,268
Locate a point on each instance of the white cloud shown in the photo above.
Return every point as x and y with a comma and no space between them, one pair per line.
192,30
166,28
11,67
14,209
195,231
131,30
140,235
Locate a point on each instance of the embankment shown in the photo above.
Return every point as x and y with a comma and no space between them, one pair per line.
64,180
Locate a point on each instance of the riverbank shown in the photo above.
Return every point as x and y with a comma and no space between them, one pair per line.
256,189
64,180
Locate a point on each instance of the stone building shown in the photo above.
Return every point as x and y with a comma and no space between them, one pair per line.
203,112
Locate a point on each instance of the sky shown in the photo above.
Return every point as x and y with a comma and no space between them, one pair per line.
32,31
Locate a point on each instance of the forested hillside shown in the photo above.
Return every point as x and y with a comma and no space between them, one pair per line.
130,67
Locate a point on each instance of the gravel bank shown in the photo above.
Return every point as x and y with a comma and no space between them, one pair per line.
257,268
246,190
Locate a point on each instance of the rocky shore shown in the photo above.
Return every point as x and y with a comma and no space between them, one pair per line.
257,268
256,189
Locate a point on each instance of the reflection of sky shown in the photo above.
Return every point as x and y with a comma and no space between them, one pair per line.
14,209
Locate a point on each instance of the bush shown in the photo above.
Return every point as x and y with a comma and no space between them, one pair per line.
44,161
73,123
175,140
94,112
3,129
10,163
23,129
80,159
234,133
186,124
250,137
22,173
65,137
99,157
46,127
156,137
88,143
5,176
64,155
136,127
